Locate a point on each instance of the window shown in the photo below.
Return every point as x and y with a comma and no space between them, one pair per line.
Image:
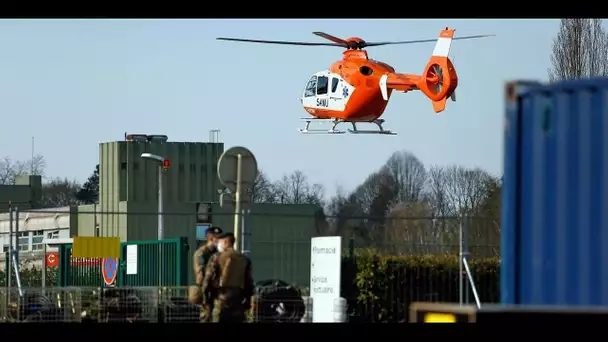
23,241
53,235
311,87
334,84
322,85
37,238
5,248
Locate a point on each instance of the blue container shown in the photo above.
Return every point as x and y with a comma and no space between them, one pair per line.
555,195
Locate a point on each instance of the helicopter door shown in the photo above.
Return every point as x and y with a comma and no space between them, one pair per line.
335,93
322,100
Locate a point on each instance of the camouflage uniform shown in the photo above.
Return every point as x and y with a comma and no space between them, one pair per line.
201,259
230,272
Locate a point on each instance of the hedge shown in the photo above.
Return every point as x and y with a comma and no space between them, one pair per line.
384,286
380,288
32,277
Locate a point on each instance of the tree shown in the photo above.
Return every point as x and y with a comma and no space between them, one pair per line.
11,169
403,208
408,175
262,190
89,192
59,193
580,50
295,189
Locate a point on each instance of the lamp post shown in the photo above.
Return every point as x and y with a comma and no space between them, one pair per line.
163,164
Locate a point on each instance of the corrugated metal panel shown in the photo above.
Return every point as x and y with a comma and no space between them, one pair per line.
555,199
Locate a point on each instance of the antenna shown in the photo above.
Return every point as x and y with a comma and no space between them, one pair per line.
214,136
32,161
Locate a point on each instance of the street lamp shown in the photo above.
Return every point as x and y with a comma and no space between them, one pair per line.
163,164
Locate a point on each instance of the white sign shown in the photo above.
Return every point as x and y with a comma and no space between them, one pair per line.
325,273
131,259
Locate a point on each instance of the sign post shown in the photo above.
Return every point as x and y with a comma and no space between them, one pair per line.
325,274
109,270
237,169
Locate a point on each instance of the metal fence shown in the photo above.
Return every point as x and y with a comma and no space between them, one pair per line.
172,271
131,305
420,258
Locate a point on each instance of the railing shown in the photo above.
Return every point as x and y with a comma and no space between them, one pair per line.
139,305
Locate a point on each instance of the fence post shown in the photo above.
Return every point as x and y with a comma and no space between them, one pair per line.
465,254
9,280
460,266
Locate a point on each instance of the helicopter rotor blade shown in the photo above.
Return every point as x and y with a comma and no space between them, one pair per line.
278,42
332,38
366,44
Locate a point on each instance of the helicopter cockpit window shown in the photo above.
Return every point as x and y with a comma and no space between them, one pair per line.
334,85
311,87
322,84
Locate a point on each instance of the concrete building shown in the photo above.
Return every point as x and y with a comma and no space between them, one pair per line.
128,203
25,193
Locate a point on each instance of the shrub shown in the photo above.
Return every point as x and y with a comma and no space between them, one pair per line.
31,277
380,288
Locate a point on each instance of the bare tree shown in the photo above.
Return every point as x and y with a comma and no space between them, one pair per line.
295,189
262,190
11,169
59,193
409,230
436,191
580,50
409,176
465,189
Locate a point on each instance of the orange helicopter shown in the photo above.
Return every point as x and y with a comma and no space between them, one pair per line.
357,89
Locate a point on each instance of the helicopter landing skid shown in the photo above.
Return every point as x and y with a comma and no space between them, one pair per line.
354,130
307,130
380,130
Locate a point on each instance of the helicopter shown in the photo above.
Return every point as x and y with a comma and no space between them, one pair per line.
356,89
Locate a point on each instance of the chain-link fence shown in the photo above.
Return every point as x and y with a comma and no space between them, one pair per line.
387,262
136,305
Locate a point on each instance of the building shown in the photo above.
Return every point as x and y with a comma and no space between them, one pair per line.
128,206
25,193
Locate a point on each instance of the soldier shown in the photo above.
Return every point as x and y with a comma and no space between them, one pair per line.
229,271
201,257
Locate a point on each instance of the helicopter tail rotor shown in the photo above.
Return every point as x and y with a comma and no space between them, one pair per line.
439,80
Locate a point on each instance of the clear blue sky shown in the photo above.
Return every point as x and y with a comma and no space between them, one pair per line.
75,83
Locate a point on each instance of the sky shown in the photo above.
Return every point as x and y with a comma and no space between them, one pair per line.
72,84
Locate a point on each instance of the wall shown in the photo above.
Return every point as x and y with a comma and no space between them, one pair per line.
281,236
87,220
33,227
126,178
25,193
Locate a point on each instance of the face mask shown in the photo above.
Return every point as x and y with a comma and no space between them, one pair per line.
220,247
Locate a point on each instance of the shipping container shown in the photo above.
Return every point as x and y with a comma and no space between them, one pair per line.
555,195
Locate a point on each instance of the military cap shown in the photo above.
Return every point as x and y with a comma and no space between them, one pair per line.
225,235
214,231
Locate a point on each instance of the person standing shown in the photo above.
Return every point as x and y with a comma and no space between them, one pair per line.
230,272
201,258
